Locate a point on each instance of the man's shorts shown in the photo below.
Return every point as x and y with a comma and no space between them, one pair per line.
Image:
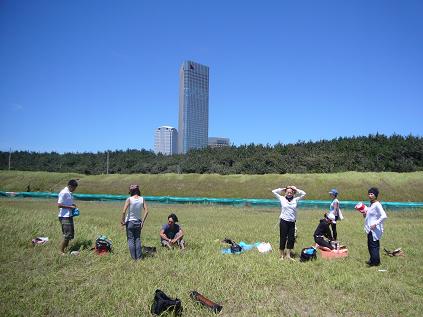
67,227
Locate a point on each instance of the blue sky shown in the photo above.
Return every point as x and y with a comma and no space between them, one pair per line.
88,76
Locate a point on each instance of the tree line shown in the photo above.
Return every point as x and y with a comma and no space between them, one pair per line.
373,153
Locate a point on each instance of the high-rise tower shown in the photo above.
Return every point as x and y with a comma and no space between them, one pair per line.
193,106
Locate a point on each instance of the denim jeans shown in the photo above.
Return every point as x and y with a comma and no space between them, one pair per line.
133,234
374,249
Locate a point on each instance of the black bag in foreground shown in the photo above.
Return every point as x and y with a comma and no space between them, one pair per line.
163,303
308,254
216,308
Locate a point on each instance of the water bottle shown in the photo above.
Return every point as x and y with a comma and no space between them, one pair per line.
75,212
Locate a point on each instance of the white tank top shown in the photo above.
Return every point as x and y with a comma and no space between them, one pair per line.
134,210
332,206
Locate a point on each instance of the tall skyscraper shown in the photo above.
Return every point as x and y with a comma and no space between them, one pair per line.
165,140
193,106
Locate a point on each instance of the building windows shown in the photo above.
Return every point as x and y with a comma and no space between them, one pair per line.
165,140
193,106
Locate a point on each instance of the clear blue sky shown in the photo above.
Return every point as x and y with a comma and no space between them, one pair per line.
88,76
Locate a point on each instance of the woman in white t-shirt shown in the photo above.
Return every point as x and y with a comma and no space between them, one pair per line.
287,218
131,219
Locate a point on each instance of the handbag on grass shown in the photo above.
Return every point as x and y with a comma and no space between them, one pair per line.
163,303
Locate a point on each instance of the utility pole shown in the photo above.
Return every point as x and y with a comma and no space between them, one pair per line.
10,156
107,163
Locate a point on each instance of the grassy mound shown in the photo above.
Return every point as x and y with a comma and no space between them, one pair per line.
351,185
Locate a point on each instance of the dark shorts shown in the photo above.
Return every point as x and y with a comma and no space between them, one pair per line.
67,227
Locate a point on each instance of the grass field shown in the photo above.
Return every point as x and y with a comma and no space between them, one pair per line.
37,281
351,185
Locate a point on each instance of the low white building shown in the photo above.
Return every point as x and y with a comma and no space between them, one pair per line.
166,140
218,142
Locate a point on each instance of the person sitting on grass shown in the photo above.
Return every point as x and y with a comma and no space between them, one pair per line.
323,231
172,234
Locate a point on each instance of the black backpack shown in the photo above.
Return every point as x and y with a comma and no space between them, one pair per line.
308,254
163,303
235,247
102,244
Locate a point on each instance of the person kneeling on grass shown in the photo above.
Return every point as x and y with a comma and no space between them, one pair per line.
171,233
323,231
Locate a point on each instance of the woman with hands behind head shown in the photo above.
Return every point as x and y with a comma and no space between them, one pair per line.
288,197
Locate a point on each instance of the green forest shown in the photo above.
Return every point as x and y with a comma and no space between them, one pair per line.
373,153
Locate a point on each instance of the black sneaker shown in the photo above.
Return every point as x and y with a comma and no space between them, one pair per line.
372,264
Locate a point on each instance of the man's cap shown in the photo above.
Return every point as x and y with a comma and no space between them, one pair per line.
133,186
333,191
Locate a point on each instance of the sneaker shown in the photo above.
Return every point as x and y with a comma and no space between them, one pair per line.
372,264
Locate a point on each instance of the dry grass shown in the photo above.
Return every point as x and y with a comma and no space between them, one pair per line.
352,185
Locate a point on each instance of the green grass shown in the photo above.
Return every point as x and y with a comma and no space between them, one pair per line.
352,185
37,281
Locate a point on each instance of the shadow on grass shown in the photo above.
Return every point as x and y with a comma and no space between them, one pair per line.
80,245
148,251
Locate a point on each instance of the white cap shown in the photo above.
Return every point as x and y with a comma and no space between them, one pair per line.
331,217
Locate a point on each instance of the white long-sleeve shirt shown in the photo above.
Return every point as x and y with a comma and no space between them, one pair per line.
375,216
288,208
